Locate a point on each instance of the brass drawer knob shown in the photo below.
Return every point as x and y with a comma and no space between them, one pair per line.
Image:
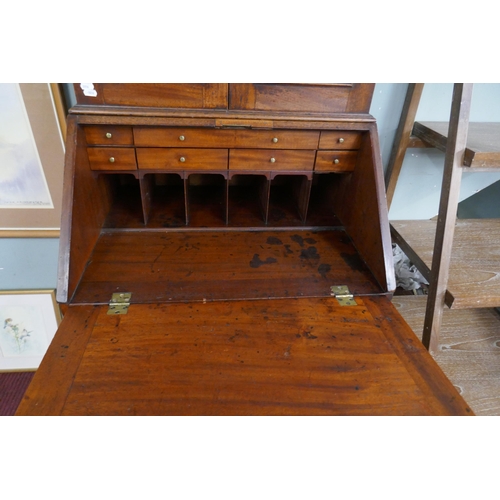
181,138
273,160
109,135
111,159
275,140
341,140
182,159
336,161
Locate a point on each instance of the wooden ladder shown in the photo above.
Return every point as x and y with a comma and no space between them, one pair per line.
468,146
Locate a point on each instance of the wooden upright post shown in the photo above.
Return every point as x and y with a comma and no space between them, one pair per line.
450,191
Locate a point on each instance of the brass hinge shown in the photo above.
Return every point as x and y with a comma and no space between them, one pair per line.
343,295
120,303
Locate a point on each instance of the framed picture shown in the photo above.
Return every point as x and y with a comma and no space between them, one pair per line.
31,159
28,322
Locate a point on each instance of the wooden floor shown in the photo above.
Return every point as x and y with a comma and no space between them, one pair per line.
469,351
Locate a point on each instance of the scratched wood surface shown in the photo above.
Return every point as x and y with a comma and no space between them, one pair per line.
475,262
222,265
469,350
260,357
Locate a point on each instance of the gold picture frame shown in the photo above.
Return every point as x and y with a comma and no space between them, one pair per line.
28,322
39,110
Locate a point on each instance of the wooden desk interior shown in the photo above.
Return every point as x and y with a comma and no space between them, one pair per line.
229,211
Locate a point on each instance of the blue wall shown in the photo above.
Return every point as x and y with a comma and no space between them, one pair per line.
28,263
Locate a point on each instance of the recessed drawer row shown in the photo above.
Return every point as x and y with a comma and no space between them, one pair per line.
171,137
220,159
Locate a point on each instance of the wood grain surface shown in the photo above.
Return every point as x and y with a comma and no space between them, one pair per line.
222,265
468,353
263,357
475,260
322,98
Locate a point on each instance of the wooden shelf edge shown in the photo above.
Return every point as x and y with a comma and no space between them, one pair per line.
416,239
480,135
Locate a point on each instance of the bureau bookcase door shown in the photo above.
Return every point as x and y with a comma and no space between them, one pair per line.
303,97
156,95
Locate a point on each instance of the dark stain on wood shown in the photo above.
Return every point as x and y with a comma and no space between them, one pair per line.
237,335
309,335
272,240
257,262
298,239
309,253
323,269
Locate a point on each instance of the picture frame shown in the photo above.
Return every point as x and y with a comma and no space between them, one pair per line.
32,136
28,322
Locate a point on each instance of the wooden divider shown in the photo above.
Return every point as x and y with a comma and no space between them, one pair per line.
279,198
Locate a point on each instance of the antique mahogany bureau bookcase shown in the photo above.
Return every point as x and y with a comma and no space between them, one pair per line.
225,250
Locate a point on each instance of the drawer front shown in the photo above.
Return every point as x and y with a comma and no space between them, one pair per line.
335,161
268,160
339,139
109,135
276,139
224,138
181,159
112,158
183,137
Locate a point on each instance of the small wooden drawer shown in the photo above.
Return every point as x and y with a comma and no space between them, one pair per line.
112,158
269,160
335,161
183,137
276,139
182,159
109,135
224,138
340,139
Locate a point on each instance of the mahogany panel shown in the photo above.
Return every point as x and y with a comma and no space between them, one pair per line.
53,380
312,98
86,203
158,95
221,265
359,201
280,357
269,160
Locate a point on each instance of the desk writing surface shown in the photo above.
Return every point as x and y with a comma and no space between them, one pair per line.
261,357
